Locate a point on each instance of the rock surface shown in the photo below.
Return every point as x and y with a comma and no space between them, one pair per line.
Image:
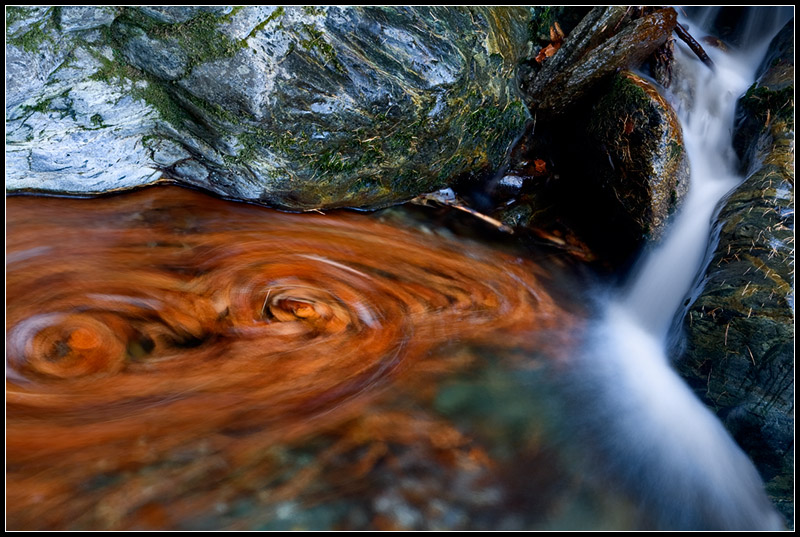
296,107
738,351
644,161
594,51
614,166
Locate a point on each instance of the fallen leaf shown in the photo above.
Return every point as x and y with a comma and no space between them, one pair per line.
540,166
556,33
629,125
556,38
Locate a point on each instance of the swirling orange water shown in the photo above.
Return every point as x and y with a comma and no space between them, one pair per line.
163,347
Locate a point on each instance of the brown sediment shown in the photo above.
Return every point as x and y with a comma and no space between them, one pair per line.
163,342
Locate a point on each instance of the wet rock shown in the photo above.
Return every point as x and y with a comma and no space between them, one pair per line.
163,59
738,351
175,14
615,167
297,107
77,18
592,52
641,155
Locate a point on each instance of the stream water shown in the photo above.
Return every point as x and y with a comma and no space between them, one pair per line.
176,361
701,465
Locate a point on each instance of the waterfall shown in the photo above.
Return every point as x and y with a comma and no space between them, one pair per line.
650,435
663,276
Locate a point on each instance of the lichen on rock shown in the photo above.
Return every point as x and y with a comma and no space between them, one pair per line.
300,108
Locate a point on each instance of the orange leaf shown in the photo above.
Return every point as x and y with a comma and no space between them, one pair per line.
551,49
629,125
556,33
559,31
540,166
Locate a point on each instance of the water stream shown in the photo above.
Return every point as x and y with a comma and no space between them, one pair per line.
663,276
678,460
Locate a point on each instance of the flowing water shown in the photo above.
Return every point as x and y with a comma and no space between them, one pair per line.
701,466
177,361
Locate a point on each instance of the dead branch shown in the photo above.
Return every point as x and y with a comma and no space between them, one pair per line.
694,45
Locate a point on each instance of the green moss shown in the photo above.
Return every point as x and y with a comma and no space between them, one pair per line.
315,41
332,162
675,150
495,119
55,17
623,98
313,10
115,71
97,120
15,14
41,107
625,90
760,101
539,27
452,166
32,40
279,12
157,96
45,105
198,37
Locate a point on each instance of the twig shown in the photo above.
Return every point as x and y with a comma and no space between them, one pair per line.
694,45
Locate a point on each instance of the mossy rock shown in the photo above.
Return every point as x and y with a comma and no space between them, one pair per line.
640,153
604,43
737,343
296,107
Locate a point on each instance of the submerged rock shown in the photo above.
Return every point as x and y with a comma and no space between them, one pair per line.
738,351
297,107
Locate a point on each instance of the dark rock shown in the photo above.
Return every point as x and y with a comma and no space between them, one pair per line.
738,351
615,167
297,107
771,95
593,51
643,160
78,18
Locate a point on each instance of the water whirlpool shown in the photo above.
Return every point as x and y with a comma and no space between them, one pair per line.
160,336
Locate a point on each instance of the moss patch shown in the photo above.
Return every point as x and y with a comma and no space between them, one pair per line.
279,12
313,40
32,39
761,102
198,37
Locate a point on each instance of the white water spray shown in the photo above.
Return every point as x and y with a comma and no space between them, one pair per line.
660,444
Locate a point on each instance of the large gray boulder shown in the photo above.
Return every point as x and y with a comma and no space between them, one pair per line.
297,107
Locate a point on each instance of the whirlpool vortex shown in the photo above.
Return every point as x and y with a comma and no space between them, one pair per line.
138,325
